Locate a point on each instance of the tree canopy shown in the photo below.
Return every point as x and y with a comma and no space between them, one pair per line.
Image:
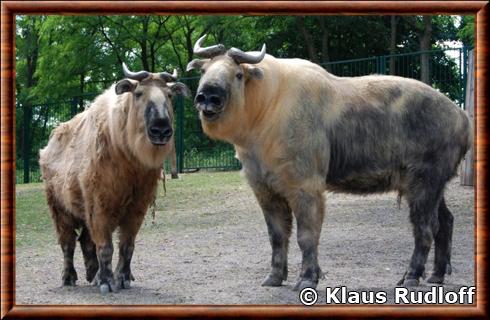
59,57
63,56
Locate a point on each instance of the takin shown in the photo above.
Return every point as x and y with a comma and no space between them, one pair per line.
299,130
101,169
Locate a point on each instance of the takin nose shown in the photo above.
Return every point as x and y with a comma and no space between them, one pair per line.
160,128
210,97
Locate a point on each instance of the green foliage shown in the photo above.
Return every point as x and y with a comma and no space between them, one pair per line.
62,62
466,31
64,56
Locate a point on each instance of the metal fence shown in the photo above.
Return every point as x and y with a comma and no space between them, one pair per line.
194,149
447,70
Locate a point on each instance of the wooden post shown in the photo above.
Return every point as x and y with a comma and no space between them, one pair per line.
467,176
173,161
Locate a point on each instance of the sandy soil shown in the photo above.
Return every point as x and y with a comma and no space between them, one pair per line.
218,252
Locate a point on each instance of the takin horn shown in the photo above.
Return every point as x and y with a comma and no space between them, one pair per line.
208,52
246,57
134,75
169,77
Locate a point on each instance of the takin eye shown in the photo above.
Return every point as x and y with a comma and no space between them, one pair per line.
239,75
138,94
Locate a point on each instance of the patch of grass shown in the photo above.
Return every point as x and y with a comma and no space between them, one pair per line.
193,195
194,200
32,218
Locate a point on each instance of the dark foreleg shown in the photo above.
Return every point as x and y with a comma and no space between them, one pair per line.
278,218
308,208
127,235
105,279
443,240
101,233
89,254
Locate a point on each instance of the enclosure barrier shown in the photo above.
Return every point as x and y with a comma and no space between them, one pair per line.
195,151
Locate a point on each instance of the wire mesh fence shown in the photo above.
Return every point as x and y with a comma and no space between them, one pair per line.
195,151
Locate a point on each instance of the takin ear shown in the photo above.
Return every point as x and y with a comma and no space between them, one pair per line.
179,88
195,64
254,72
126,85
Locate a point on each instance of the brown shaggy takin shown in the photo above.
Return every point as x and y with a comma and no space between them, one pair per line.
101,170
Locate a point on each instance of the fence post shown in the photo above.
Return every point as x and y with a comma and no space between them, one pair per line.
382,61
180,133
465,74
26,147
467,176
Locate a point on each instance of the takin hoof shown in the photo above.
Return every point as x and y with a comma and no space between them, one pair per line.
438,276
105,287
410,283
111,286
69,278
123,281
434,278
91,272
305,283
407,283
272,280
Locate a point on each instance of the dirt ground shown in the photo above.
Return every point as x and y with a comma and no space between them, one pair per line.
217,251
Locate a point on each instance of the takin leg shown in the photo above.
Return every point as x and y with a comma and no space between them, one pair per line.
104,278
65,228
308,209
101,233
423,216
89,254
67,239
127,233
443,240
278,218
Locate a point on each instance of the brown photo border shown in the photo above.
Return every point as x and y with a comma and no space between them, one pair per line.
9,9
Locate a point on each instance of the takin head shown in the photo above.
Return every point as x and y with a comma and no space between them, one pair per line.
224,76
149,110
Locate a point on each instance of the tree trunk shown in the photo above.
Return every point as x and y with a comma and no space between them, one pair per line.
425,38
26,143
310,45
45,120
188,45
325,44
32,53
144,46
393,23
32,40
152,56
82,89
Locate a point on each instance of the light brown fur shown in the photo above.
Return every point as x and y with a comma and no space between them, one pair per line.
100,172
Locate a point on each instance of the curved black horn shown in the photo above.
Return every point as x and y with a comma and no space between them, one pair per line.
246,57
169,77
134,75
208,52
